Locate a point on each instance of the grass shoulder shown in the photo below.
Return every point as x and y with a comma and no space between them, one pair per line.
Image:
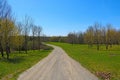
99,62
19,62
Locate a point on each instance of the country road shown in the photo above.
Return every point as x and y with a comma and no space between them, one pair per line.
57,66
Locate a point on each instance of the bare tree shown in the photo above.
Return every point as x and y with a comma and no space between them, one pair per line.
71,38
3,5
7,24
97,34
111,36
6,19
1,37
118,37
2,10
20,28
34,32
27,25
7,39
39,30
80,38
89,36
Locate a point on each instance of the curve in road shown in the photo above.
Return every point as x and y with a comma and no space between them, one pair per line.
57,66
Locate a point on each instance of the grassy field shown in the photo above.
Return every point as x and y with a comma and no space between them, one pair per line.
9,69
100,62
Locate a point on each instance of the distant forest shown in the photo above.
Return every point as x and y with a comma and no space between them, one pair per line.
95,35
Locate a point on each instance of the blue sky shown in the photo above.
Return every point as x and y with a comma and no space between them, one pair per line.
59,17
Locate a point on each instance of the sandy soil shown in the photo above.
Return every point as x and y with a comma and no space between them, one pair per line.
57,66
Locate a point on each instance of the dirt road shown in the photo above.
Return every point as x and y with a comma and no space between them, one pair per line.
57,66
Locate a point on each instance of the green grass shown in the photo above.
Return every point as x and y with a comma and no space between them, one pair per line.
95,61
19,62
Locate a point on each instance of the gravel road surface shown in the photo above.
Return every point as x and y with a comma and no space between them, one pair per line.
57,66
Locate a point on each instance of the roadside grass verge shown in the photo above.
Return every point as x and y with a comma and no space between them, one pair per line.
19,62
101,62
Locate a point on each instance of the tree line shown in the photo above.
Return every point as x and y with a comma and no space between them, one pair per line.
15,35
96,34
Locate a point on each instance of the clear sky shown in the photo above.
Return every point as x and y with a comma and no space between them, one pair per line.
59,17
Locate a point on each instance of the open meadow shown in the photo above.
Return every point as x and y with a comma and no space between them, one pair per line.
100,62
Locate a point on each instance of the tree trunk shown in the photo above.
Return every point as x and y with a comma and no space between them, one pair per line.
106,46
26,47
39,42
33,43
19,46
1,50
25,44
7,50
98,46
19,50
